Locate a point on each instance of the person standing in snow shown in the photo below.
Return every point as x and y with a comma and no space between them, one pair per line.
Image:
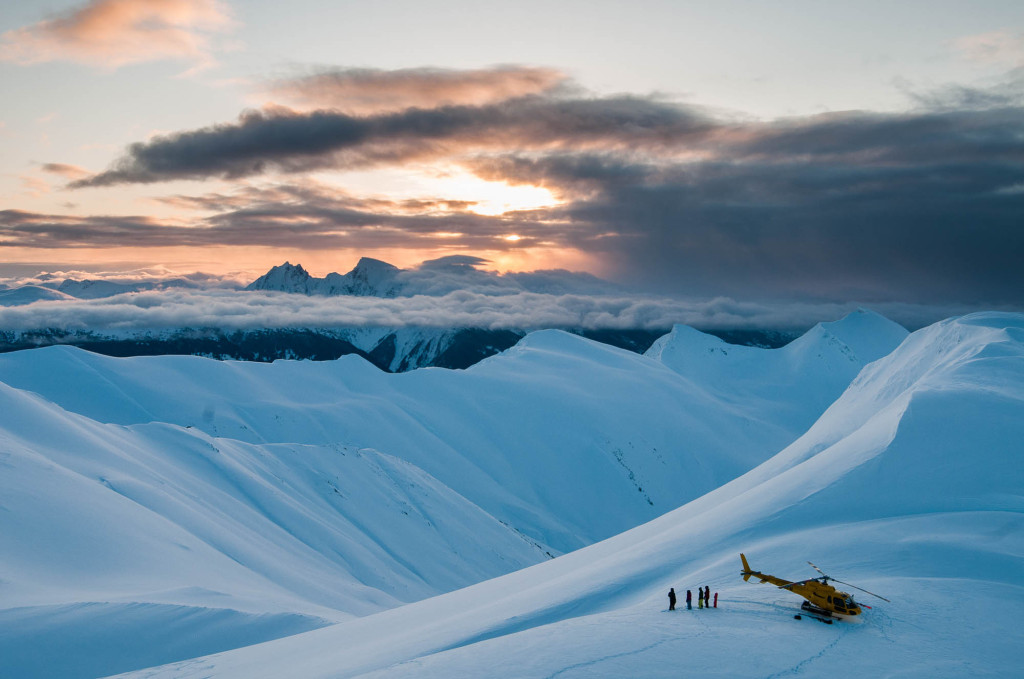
700,598
716,599
707,597
671,598
689,598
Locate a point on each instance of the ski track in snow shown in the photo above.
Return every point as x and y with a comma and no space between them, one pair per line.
797,669
614,656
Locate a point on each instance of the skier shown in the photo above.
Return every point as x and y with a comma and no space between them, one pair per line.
707,597
700,598
689,598
671,598
716,599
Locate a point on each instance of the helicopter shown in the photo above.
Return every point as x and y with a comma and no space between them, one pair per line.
822,598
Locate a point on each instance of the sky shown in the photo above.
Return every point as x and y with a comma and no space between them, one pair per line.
805,152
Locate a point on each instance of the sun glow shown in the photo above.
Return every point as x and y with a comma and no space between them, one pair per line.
439,186
497,198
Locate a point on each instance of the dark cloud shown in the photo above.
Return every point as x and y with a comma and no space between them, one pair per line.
284,140
940,232
1006,93
924,207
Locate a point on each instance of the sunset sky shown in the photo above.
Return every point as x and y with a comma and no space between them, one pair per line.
869,151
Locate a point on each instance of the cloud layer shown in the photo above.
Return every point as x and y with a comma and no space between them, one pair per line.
232,310
922,206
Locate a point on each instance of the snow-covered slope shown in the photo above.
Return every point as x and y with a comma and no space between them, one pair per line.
27,294
123,536
544,436
193,505
910,485
793,384
99,289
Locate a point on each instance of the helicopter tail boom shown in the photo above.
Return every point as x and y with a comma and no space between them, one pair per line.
746,569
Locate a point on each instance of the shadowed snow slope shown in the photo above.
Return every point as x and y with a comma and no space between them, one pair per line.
180,505
155,542
791,385
911,485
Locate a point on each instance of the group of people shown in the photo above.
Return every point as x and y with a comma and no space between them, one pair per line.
703,598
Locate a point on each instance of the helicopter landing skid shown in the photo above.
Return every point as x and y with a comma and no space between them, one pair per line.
815,612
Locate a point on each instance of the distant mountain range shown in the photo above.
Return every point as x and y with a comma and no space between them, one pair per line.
374,278
369,278
390,349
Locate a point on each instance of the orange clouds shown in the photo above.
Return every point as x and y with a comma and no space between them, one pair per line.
365,91
113,33
65,170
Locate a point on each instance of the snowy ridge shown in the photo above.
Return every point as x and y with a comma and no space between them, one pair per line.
156,524
619,427
889,486
794,383
27,294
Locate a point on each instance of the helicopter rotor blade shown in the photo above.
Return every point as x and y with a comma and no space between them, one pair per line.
861,589
793,584
818,569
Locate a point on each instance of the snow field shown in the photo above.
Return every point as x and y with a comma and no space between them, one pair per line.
209,485
881,500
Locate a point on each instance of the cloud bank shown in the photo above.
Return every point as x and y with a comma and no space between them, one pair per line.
233,310
922,206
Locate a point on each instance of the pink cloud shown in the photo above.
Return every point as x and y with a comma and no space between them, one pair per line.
363,90
65,170
113,33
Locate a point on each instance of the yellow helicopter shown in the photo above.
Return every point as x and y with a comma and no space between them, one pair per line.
822,599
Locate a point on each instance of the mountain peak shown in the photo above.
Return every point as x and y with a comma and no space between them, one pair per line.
370,264
370,278
286,277
868,334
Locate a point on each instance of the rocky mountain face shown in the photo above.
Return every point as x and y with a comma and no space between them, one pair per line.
369,278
